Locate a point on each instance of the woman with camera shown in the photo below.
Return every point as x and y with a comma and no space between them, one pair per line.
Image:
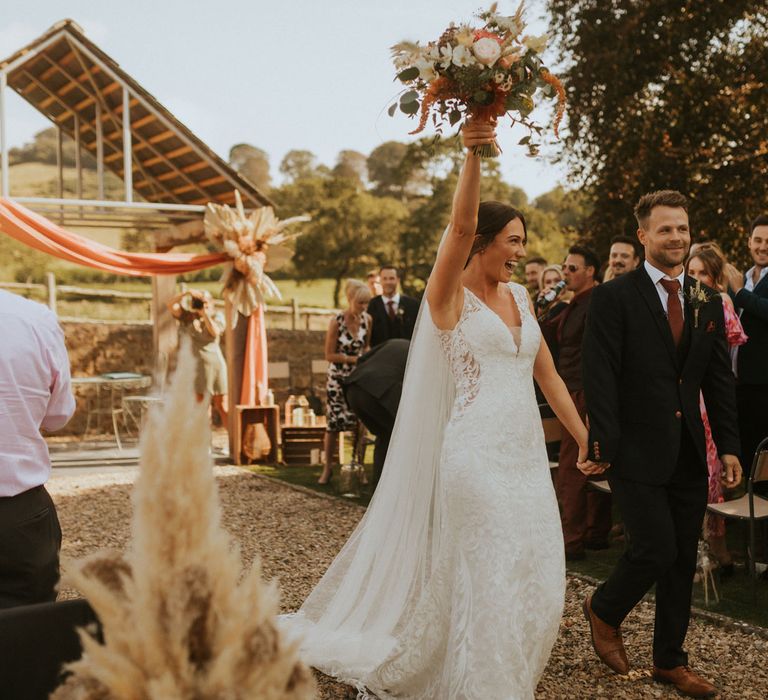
198,321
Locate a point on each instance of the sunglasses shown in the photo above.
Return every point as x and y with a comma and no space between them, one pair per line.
571,268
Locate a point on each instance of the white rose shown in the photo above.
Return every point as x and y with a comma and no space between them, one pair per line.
535,43
462,57
487,51
426,70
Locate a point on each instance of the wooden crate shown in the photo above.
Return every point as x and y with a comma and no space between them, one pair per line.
299,442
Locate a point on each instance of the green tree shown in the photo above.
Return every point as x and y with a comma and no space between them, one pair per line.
352,165
299,165
667,95
252,163
44,147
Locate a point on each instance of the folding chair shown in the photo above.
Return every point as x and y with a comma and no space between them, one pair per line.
750,507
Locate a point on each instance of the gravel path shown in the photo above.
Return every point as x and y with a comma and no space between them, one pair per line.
297,535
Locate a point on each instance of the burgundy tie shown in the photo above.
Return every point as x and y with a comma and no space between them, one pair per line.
674,310
391,310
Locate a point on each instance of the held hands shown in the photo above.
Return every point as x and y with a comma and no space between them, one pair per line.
732,473
478,133
587,466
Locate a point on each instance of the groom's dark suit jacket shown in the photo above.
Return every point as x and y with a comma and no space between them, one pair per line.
641,390
401,326
753,357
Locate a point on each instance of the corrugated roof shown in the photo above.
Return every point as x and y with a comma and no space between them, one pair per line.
68,79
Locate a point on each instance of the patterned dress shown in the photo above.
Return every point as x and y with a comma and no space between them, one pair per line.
714,526
340,418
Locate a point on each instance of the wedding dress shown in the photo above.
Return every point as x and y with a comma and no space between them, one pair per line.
452,587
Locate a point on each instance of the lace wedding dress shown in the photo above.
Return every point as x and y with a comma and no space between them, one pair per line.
481,605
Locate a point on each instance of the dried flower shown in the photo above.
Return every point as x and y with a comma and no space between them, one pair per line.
178,620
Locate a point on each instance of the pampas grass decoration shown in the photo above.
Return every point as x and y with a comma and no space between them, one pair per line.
178,623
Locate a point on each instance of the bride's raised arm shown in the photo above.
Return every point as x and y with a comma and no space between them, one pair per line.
444,292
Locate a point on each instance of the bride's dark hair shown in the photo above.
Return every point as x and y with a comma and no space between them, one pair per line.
491,218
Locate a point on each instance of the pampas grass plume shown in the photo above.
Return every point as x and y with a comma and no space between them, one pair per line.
179,623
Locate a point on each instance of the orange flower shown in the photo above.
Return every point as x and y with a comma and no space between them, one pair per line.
550,79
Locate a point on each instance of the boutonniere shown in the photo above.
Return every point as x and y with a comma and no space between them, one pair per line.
400,313
697,297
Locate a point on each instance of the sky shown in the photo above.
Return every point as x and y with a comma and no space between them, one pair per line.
304,74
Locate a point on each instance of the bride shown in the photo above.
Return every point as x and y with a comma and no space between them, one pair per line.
452,585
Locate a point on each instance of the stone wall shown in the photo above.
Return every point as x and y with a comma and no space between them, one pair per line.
96,348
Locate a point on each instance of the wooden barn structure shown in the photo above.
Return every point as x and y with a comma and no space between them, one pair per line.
169,174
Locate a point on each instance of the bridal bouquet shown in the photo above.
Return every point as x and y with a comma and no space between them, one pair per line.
483,72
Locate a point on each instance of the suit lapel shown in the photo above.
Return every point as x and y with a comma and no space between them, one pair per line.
651,297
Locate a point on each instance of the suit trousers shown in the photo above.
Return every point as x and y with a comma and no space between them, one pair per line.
30,540
377,419
585,514
663,524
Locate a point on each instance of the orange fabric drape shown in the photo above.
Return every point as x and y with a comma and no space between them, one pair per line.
255,372
42,234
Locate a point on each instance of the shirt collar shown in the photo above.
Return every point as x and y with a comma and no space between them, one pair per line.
395,298
748,274
657,275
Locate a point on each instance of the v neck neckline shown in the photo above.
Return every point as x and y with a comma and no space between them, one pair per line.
510,329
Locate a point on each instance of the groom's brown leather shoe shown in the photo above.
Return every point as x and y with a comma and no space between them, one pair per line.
686,681
606,640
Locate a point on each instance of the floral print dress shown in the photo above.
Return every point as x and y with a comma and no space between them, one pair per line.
714,526
340,418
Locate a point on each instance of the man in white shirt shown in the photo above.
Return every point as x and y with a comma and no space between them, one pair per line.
35,393
750,297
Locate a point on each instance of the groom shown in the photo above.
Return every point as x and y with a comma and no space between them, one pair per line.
654,341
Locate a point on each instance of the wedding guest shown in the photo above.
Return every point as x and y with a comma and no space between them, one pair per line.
373,391
35,393
348,337
373,280
533,268
624,256
585,514
548,311
751,300
394,314
203,326
708,265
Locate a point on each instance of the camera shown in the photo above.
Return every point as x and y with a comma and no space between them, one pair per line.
196,303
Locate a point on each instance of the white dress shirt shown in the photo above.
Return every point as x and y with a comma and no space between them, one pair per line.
656,276
35,391
395,302
749,282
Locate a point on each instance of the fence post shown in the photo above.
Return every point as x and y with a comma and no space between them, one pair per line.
50,283
295,314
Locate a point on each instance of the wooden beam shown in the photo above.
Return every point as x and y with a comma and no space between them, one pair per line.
212,181
196,166
138,123
182,190
162,136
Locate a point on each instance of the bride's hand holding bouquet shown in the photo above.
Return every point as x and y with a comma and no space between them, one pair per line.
483,72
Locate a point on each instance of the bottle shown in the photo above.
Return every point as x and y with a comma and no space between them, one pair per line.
550,295
290,404
269,399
